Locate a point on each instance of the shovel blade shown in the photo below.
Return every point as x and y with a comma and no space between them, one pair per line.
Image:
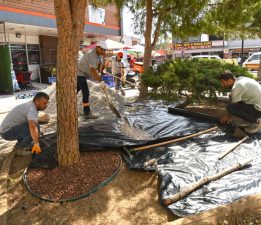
114,110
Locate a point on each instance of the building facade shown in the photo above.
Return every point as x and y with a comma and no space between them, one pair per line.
212,45
29,27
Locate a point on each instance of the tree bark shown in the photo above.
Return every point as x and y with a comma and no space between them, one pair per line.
147,54
70,18
259,72
148,45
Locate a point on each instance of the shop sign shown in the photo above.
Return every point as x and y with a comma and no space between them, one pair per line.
218,43
193,45
96,15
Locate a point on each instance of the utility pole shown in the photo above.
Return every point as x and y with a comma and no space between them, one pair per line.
242,52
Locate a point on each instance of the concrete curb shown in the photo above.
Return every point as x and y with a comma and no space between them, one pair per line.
4,174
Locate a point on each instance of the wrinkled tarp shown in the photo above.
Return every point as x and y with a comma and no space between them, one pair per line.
184,162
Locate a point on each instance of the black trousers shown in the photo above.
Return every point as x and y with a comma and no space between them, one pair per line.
83,86
244,111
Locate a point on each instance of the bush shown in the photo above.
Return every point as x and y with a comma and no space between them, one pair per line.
196,79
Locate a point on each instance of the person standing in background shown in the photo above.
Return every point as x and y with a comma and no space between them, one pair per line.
117,70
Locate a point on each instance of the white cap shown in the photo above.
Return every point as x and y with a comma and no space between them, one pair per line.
102,44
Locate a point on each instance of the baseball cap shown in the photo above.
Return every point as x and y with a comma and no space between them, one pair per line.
102,44
120,54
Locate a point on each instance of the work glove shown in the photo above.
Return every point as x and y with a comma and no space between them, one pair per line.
103,85
36,149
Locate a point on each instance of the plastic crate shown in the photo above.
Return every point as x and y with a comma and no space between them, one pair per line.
111,84
107,78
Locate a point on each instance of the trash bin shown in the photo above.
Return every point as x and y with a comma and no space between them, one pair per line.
6,84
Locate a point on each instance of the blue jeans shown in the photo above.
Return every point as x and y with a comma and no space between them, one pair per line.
21,133
244,111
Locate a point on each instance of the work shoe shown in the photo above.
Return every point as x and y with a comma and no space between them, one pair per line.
238,122
253,128
241,123
122,92
91,116
19,151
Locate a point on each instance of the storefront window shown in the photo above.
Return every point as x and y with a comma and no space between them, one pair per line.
19,59
33,54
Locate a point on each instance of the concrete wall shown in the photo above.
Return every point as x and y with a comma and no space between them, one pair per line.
249,43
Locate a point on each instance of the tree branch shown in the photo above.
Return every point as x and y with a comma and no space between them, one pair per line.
62,12
78,8
157,32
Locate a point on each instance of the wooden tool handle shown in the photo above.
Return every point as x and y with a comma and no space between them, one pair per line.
48,125
128,82
105,91
174,141
231,149
203,181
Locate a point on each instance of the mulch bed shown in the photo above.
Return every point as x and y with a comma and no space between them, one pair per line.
72,181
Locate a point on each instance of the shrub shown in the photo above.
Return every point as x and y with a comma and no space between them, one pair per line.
196,79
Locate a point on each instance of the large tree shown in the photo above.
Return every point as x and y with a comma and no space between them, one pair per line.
154,18
70,19
242,19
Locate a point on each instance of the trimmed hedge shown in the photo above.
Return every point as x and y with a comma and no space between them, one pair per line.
196,79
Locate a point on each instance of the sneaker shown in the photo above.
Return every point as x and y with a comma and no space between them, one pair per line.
91,116
253,128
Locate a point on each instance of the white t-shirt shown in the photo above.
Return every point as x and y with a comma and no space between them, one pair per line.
19,115
248,91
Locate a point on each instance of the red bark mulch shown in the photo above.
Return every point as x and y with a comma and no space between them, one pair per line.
72,181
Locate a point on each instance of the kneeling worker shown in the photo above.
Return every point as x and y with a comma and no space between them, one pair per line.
245,106
21,124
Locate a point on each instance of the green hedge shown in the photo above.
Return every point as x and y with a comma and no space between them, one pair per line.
195,79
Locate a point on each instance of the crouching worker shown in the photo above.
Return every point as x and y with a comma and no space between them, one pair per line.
21,124
245,107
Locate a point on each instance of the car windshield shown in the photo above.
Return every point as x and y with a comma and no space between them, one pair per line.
254,57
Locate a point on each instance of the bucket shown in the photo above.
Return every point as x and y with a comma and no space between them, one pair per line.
51,80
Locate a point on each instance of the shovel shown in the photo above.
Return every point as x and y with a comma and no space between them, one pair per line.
128,82
112,107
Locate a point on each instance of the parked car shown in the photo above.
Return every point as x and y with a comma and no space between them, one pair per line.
253,61
206,57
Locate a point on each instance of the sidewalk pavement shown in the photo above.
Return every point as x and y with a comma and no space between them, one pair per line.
8,102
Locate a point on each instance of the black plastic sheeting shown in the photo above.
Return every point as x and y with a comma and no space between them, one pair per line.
186,162
179,164
100,135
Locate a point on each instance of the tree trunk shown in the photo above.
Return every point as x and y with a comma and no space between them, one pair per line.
259,72
148,45
70,17
147,54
